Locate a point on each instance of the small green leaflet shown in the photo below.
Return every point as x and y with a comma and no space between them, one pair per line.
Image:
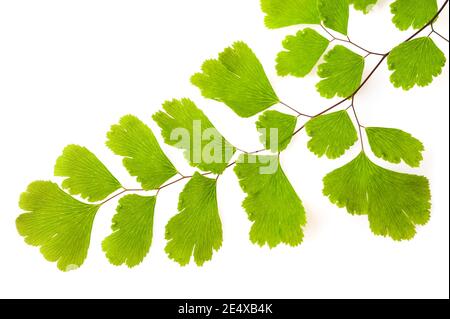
331,134
394,145
86,175
132,231
144,158
335,14
363,5
197,229
237,79
204,146
272,205
394,202
276,130
415,13
415,62
342,73
303,52
58,223
283,13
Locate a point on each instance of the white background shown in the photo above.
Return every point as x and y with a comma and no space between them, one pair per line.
70,69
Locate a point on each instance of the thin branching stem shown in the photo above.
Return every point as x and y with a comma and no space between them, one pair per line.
349,41
351,97
360,126
294,110
437,33
123,191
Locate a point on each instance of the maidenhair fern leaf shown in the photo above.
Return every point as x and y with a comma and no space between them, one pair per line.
58,223
331,134
132,231
144,158
272,204
394,202
283,13
334,14
395,145
363,5
413,13
342,73
185,126
197,229
237,79
276,130
415,62
85,174
303,52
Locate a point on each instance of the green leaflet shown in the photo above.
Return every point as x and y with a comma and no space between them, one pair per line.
342,73
283,13
132,231
415,62
331,134
276,130
363,5
394,145
56,222
303,52
272,205
86,175
415,13
204,146
394,202
237,79
197,229
335,14
144,158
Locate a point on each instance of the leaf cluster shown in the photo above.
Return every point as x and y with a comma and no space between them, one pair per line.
59,218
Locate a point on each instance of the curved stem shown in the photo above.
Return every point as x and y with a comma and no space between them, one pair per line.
173,182
123,191
136,190
352,96
384,56
349,41
360,47
298,130
294,110
429,22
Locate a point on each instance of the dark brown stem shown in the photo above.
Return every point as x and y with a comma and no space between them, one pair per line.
352,96
298,130
370,75
357,90
384,56
429,22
